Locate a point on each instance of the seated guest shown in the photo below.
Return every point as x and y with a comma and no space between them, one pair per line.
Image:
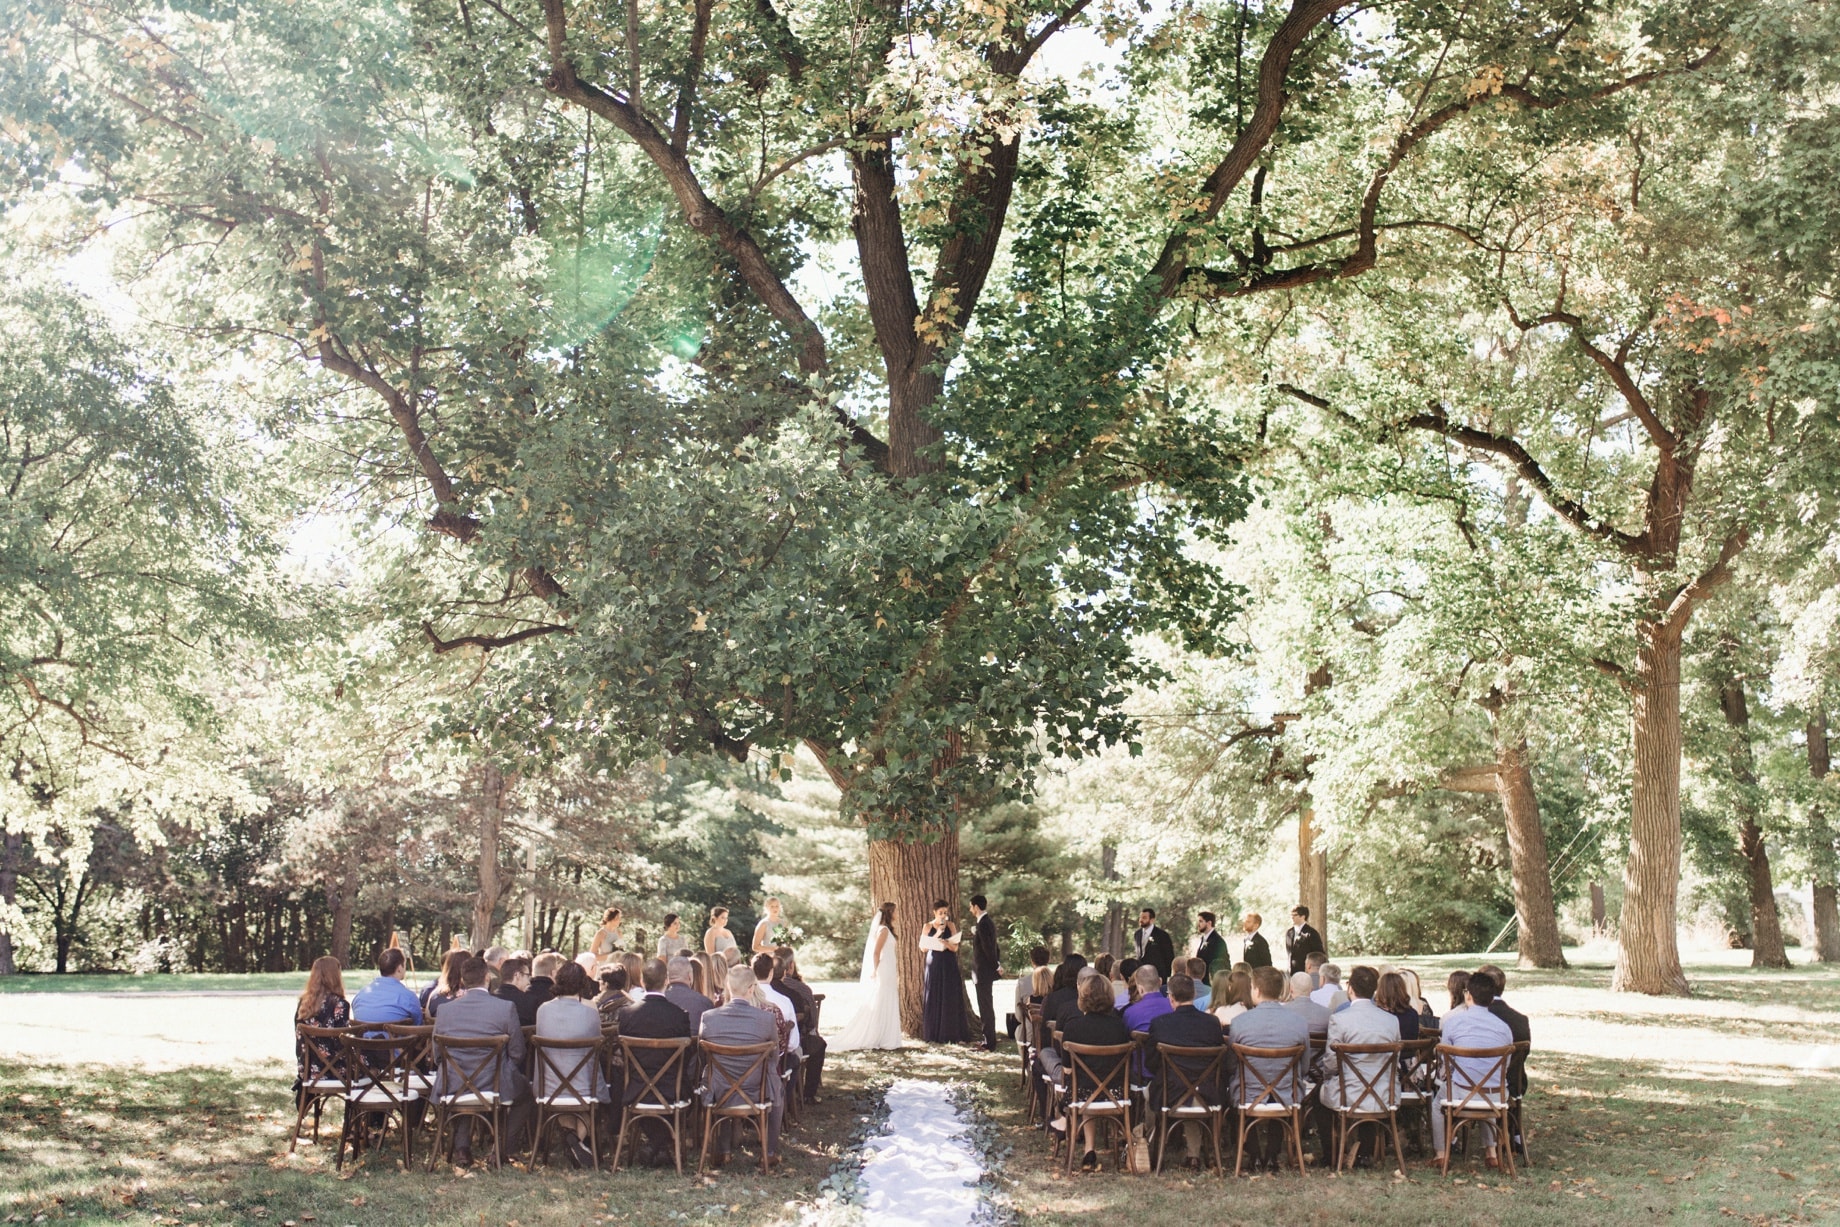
445,986
1517,1026
1471,1027
1065,991
741,1023
1269,1024
1329,994
1232,995
1458,985
681,991
612,998
1313,963
1197,971
1025,987
1363,1022
1315,1016
1427,1017
495,957
1048,1061
812,1046
711,976
1392,998
565,1016
477,1014
514,986
1122,976
1184,1027
635,974
542,984
1108,967
1043,982
671,942
655,1017
1151,1001
322,1004
387,999
793,1045
1098,1024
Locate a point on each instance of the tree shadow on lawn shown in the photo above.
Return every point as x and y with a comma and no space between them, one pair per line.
206,1146
1612,1142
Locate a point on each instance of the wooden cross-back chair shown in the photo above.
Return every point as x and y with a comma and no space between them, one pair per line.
1260,1098
734,1101
663,1096
418,1057
379,1092
320,1069
565,1075
1483,1099
1517,1105
1418,1082
1365,1097
468,1073
1187,1076
1088,1096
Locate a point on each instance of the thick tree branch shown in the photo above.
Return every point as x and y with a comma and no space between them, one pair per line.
1484,777
1674,618
1615,672
1171,265
1616,366
487,643
693,69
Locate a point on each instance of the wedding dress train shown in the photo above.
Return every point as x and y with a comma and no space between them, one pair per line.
877,1023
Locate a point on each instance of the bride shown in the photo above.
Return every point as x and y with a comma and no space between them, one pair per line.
878,1018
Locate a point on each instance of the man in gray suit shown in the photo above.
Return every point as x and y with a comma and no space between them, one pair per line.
1315,1015
738,1024
477,1014
677,991
566,1016
1269,1024
1362,1022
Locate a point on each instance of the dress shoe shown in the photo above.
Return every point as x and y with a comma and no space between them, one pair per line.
462,1157
581,1153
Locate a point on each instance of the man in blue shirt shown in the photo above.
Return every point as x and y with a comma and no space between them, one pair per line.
387,999
1475,1027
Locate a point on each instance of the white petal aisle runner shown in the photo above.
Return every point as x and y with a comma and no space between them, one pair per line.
922,1169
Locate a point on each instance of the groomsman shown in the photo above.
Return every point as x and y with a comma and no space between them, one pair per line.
1255,950
1153,944
1210,947
1300,940
986,967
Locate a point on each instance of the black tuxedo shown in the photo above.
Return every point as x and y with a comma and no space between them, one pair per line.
985,960
1258,951
1155,948
1212,950
1300,941
1184,1027
1522,1033
654,1018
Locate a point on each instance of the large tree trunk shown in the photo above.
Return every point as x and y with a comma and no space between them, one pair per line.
491,823
12,847
1648,952
1766,927
1312,872
344,903
913,875
1530,870
1826,891
1112,939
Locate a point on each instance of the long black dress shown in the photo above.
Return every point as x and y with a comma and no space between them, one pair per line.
944,1018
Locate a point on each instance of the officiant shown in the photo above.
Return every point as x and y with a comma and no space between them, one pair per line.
943,1016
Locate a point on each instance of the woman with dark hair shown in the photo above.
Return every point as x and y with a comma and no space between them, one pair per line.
877,1021
943,1016
1232,995
1458,984
612,998
1393,998
607,937
671,942
1097,1024
446,985
717,940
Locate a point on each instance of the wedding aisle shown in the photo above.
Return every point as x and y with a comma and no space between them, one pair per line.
921,1169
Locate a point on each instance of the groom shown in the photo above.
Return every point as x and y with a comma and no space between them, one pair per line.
985,967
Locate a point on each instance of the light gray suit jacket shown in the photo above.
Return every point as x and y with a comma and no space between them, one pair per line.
738,1025
1362,1022
570,1018
476,1014
1270,1025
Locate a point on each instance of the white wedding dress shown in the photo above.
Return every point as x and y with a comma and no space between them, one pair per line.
877,1023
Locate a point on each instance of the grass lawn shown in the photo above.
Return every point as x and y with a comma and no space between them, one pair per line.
187,982
1718,1108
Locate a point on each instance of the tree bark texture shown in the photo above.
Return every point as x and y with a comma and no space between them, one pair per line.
12,847
1312,872
1648,954
1826,891
913,875
491,824
1112,940
1530,869
1766,927
344,904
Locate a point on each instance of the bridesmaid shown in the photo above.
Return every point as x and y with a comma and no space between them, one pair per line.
763,932
943,1021
717,940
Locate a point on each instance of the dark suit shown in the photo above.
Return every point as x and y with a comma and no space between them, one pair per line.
985,960
521,1001
1212,950
654,1018
1184,1027
1155,948
811,1044
541,989
1300,941
690,1002
1258,951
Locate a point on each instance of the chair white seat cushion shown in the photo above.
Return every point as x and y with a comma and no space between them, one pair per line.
1481,1103
326,1084
377,1096
1268,1109
1193,1109
562,1099
659,1108
1104,1103
484,1099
